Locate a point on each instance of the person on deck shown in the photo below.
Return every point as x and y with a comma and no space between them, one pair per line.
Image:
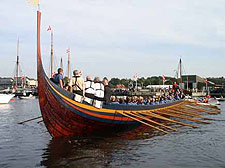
77,84
107,90
99,89
89,87
175,86
58,78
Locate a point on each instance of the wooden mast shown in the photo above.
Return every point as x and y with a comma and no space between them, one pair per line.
61,63
17,62
180,67
52,55
68,65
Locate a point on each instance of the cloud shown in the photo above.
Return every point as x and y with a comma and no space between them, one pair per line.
119,37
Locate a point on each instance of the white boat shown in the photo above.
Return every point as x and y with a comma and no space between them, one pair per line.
5,98
221,98
213,101
27,97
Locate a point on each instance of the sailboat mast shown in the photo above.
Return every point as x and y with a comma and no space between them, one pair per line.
17,62
52,55
68,66
180,66
61,63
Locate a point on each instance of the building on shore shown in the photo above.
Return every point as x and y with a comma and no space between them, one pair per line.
6,83
195,83
21,82
31,83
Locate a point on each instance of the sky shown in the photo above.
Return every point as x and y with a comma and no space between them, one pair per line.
117,38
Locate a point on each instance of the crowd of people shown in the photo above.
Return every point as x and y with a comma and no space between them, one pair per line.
99,90
88,89
166,97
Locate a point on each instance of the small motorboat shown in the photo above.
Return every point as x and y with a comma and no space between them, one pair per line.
5,98
221,98
213,101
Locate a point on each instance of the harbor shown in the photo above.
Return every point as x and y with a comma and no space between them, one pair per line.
112,89
30,145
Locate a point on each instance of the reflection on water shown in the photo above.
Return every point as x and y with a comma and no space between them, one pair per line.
30,145
4,107
90,151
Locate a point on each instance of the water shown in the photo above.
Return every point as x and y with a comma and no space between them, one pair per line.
30,145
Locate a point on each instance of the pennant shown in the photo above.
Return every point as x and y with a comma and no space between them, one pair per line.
163,78
34,2
22,78
68,50
49,28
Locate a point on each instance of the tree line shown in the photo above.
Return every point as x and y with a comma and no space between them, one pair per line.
143,82
217,81
157,80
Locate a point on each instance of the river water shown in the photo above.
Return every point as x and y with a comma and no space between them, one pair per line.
29,145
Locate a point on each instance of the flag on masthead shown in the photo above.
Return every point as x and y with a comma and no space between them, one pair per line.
68,50
34,2
49,28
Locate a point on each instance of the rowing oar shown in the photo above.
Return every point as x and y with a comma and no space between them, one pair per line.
204,110
182,117
152,121
199,109
191,110
143,122
29,120
186,112
167,119
40,121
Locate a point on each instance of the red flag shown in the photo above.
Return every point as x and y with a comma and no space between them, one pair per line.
206,81
135,76
163,78
22,78
68,50
49,28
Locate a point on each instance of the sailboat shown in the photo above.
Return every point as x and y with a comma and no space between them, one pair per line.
64,116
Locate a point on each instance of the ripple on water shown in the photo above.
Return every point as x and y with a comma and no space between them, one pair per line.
30,145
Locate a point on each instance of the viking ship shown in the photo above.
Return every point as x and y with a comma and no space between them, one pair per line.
63,116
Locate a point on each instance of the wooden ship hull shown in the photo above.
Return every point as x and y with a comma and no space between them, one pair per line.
63,116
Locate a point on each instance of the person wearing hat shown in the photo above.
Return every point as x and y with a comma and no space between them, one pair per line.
77,84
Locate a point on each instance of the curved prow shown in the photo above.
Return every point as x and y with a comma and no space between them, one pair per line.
39,62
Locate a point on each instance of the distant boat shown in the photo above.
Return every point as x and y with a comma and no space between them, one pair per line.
5,98
211,102
221,98
27,97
